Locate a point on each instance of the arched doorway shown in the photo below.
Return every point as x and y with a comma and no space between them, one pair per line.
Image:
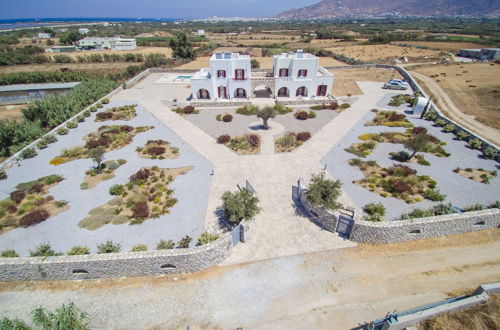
203,94
283,92
240,93
262,91
301,91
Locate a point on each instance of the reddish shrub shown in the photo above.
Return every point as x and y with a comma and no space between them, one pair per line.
399,186
188,109
36,188
12,208
333,106
253,139
419,130
142,174
227,118
396,117
303,136
159,142
104,115
126,128
34,217
17,196
302,115
223,139
92,144
140,210
104,141
156,151
401,170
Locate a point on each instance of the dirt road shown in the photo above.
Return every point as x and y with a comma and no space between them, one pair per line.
447,105
325,290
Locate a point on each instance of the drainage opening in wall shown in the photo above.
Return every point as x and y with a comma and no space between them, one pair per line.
415,231
168,266
480,223
79,271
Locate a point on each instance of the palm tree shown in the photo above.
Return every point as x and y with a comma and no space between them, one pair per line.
265,114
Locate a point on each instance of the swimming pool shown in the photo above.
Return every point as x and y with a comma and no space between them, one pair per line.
184,77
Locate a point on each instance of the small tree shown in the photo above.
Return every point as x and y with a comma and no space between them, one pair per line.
418,143
240,205
182,46
97,156
255,64
324,192
374,211
184,242
265,114
65,317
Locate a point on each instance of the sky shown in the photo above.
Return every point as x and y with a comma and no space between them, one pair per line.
146,8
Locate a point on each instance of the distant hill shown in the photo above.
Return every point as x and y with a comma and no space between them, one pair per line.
368,8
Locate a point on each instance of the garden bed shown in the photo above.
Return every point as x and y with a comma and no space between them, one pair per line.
291,141
106,137
389,119
398,181
400,99
126,112
158,149
145,196
248,144
107,172
30,204
479,175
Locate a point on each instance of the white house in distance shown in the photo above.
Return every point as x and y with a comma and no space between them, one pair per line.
113,43
294,75
227,78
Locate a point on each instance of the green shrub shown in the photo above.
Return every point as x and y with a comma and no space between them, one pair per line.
116,189
86,113
72,125
62,131
440,209
430,115
440,122
184,242
64,317
80,119
28,153
474,207
401,156
448,128
108,247
345,105
422,161
206,238
50,138
43,250
9,254
248,110
165,245
105,101
324,192
312,114
281,109
3,175
99,105
93,108
139,248
78,250
240,205
218,117
41,144
434,195
475,144
490,153
462,135
374,211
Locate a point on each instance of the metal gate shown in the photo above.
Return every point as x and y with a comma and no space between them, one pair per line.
238,234
344,226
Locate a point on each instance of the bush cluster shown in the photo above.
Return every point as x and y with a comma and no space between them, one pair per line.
302,115
223,139
227,118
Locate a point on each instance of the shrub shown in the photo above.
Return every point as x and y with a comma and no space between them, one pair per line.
34,217
345,105
440,209
401,156
142,174
440,122
41,144
17,196
184,242
140,210
188,109
422,161
105,101
303,136
419,130
223,139
248,110
281,109
99,105
434,195
104,115
396,117
475,144
430,115
80,119
287,141
227,118
28,153
462,135
116,189
490,153
302,115
206,238
9,254
324,192
108,247
78,250
43,250
93,108
239,143
165,245
312,114
139,248
448,128
62,131
375,211
50,138
399,186
156,151
474,207
240,205
253,139
71,125
3,175
218,117
86,113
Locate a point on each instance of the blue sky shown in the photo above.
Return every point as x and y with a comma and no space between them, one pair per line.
146,8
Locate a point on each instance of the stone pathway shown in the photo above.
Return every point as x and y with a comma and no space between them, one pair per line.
266,135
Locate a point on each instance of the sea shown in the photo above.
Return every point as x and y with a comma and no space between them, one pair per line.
8,24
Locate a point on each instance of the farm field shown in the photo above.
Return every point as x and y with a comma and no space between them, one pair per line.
385,53
104,68
444,45
140,50
474,88
345,79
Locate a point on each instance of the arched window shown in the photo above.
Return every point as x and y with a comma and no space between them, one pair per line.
203,94
321,90
283,92
240,92
301,91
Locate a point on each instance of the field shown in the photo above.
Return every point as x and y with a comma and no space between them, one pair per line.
11,112
385,53
474,88
345,79
104,68
444,45
140,50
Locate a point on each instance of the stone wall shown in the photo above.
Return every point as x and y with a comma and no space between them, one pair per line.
322,217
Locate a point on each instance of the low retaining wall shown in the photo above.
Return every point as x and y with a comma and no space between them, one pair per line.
116,264
404,230
222,104
306,102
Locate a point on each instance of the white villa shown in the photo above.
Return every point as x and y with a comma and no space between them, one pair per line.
113,43
294,75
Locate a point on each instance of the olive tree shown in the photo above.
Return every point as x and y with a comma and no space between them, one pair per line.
323,192
417,143
97,155
265,114
240,205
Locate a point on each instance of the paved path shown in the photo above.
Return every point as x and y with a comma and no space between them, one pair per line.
280,229
447,104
